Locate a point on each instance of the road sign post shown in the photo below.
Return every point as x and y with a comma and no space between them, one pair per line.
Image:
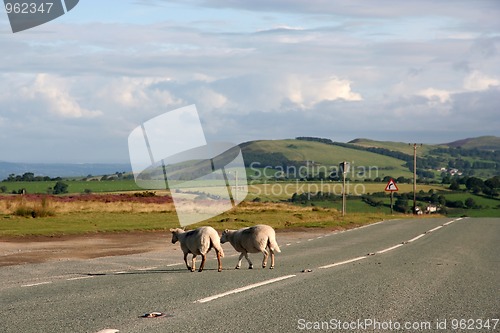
344,168
391,187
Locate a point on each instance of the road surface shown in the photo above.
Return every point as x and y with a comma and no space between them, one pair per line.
401,275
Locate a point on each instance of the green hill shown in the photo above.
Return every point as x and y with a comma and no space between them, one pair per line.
478,157
402,147
482,143
293,154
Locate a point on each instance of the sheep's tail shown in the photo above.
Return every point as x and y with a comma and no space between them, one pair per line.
216,245
273,245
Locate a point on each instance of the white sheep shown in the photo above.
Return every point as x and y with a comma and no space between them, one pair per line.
198,242
252,240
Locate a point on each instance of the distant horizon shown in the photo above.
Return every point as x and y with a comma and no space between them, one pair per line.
127,161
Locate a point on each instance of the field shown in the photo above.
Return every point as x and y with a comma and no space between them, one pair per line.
127,213
285,190
119,206
487,207
74,186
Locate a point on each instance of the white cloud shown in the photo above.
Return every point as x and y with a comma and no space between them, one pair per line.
442,95
477,81
133,93
209,100
53,91
402,64
306,91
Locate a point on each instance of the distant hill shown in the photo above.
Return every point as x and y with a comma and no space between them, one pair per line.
478,157
473,156
61,170
403,147
296,153
483,143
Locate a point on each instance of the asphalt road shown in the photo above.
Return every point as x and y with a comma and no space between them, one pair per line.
417,275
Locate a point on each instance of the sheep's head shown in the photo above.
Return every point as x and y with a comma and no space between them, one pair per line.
175,233
224,238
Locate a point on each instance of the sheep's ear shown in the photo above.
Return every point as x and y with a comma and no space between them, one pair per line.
184,228
226,230
172,230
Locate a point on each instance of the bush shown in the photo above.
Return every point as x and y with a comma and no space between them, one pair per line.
145,194
60,188
39,210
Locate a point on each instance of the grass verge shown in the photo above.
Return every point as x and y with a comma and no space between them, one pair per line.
280,216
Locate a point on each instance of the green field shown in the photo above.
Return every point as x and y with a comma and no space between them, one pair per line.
278,216
489,207
84,223
284,190
74,186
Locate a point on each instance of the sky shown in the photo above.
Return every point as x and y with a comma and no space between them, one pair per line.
73,89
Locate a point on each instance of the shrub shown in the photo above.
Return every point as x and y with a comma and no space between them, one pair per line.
39,210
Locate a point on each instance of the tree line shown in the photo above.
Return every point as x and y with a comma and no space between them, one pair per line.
29,177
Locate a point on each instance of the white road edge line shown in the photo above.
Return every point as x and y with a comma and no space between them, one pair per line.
239,290
36,284
343,262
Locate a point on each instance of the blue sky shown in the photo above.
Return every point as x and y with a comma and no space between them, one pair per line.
73,89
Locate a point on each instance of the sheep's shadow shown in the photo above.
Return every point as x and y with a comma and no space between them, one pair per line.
143,272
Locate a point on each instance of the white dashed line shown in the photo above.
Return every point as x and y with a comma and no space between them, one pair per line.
36,284
343,262
239,290
176,264
389,249
415,238
79,278
436,228
147,268
108,330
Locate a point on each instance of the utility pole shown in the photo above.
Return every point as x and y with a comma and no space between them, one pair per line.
344,167
236,185
415,146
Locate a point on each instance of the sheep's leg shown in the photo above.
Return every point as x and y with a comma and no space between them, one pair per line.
185,260
250,264
272,259
203,258
264,261
193,261
219,263
238,265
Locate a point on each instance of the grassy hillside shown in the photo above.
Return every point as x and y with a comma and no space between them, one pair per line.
402,147
479,157
323,155
483,143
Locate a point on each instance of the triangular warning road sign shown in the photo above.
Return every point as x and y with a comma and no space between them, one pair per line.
391,186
